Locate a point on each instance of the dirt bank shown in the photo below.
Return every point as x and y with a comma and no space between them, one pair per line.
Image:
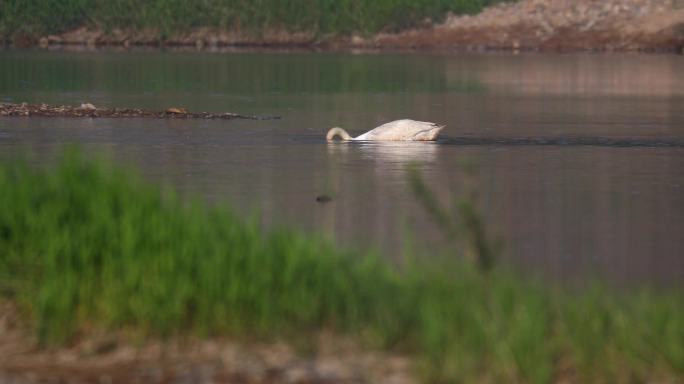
549,25
324,358
610,25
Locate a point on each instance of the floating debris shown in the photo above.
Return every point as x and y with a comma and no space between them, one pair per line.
89,110
323,199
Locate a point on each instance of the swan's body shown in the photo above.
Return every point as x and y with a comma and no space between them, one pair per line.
398,130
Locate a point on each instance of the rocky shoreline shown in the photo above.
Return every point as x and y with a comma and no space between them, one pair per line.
558,25
537,25
91,111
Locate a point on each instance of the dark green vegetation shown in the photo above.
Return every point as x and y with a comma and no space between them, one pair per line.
84,247
39,17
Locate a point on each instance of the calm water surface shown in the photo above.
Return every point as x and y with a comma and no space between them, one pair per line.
580,158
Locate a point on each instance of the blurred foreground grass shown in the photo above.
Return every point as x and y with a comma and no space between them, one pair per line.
84,246
39,17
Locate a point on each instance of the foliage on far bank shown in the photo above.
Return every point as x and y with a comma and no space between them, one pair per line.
84,246
339,17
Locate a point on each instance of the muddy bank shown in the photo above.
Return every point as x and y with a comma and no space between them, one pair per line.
89,110
546,25
113,358
199,361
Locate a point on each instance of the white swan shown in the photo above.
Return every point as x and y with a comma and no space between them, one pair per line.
398,130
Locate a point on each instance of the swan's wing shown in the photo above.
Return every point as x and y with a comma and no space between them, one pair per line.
403,130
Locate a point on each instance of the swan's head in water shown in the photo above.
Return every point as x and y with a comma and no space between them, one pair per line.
337,132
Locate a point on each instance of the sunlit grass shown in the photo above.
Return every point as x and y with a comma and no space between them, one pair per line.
37,17
84,246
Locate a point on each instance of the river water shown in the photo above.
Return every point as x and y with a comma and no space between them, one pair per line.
579,159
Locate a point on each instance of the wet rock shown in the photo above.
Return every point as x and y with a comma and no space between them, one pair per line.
176,110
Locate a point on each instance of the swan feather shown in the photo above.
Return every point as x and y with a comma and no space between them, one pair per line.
398,130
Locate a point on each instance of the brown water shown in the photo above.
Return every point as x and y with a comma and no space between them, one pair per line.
580,158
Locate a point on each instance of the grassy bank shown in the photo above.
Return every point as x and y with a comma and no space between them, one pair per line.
83,246
40,17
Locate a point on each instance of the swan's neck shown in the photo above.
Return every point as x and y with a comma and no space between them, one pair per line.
337,132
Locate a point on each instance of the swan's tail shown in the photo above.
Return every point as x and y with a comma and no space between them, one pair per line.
435,132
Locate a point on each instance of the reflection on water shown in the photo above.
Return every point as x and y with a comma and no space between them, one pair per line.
390,154
580,158
616,75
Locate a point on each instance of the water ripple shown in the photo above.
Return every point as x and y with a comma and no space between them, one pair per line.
567,141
